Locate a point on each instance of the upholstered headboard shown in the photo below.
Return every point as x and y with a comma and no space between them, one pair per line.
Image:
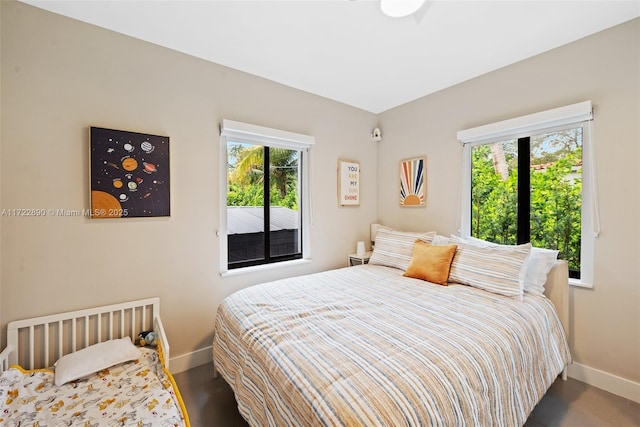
557,290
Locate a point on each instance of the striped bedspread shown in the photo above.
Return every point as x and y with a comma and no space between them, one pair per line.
364,346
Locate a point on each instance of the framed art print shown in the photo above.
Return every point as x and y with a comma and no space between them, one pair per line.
348,183
413,182
129,174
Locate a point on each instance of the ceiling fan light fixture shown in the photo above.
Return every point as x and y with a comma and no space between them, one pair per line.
400,8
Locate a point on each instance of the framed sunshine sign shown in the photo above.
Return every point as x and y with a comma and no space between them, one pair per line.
413,182
348,183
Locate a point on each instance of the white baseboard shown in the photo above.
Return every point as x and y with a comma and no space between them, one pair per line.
190,360
605,381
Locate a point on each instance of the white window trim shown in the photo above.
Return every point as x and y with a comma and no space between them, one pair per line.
524,125
260,135
261,268
575,115
253,134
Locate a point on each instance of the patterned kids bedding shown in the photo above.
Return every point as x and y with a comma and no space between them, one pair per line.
136,393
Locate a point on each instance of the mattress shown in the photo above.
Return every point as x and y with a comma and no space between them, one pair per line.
136,393
365,346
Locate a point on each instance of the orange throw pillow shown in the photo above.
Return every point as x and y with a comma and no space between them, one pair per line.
431,262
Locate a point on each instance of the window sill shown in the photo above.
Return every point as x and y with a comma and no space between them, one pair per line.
580,284
263,267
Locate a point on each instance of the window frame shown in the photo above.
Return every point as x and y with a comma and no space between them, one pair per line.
572,116
264,136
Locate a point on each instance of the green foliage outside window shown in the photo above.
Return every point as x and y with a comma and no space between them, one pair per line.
556,188
245,177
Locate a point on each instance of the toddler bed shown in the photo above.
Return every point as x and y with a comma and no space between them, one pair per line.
81,368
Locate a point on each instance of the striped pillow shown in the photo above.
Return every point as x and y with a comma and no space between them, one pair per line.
496,269
536,269
395,248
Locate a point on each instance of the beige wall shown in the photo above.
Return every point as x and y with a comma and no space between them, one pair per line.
604,68
1,173
59,77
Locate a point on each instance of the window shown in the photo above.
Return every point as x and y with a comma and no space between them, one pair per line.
265,213
530,190
529,180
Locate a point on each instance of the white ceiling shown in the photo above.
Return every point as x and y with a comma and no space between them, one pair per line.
348,50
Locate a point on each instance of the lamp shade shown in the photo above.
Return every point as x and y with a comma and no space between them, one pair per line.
400,8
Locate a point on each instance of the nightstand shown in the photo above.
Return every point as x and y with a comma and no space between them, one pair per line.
355,259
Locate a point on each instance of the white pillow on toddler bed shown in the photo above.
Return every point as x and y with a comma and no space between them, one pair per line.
94,359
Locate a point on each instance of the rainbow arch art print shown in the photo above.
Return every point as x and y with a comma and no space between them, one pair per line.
412,182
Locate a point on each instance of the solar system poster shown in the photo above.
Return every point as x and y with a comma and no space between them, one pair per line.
129,174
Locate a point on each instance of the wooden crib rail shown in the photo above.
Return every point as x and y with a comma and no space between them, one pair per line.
4,358
40,341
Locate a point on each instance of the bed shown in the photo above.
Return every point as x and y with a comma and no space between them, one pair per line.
82,368
368,346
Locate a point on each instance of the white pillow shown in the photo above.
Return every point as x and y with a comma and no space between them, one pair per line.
478,242
537,268
93,359
540,263
440,240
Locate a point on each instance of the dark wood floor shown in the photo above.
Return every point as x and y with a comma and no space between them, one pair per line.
571,403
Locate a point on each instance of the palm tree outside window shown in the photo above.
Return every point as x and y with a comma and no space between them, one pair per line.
263,212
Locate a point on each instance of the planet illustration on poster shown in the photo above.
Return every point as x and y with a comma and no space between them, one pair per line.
147,147
118,160
149,167
104,205
129,164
